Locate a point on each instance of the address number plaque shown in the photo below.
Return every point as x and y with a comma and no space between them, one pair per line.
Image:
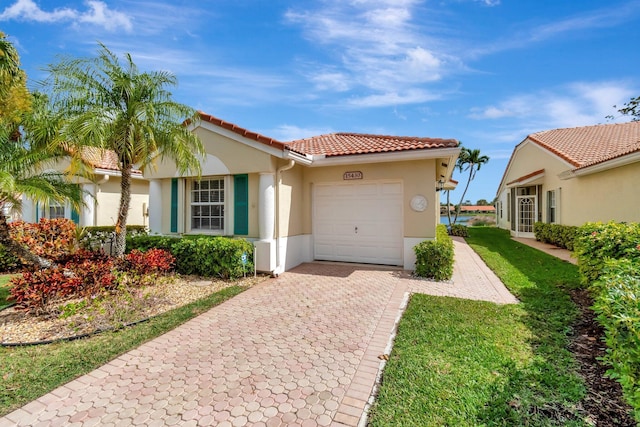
352,175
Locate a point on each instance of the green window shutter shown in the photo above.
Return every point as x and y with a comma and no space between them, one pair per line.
37,212
75,216
241,204
174,205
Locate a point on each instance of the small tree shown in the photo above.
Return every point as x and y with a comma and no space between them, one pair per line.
116,107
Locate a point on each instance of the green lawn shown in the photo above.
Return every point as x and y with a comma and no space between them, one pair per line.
467,363
27,373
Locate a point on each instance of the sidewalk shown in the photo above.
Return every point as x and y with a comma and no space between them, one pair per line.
555,251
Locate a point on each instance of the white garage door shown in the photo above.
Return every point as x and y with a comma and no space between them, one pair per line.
358,222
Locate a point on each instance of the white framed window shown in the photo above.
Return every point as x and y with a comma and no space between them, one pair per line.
208,205
551,206
56,210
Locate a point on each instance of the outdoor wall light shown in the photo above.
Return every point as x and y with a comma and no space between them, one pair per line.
440,185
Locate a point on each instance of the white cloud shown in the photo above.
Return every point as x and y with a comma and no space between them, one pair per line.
411,96
605,17
102,16
333,81
378,47
291,133
98,13
29,11
571,105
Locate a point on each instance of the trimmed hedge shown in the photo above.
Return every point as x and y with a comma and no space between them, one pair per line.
434,258
597,242
617,305
208,256
609,263
559,235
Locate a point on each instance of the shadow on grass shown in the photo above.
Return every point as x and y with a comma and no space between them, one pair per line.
548,390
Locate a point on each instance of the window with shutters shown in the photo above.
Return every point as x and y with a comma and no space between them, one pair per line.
208,204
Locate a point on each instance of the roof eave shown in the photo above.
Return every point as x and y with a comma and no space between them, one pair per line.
603,166
386,157
276,149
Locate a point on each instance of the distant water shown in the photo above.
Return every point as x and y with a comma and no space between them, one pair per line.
462,220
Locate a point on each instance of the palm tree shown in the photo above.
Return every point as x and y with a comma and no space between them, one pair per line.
116,107
470,160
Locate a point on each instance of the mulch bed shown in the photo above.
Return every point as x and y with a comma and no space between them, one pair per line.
19,327
604,404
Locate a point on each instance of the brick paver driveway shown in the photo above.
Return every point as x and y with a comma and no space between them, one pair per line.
299,350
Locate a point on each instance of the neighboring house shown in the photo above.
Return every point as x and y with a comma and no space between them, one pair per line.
339,197
572,176
102,196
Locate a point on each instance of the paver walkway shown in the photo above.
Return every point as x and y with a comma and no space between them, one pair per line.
299,350
548,248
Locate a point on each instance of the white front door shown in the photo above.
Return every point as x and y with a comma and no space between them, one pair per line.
526,208
358,222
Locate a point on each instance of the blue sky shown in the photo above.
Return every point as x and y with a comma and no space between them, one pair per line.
485,72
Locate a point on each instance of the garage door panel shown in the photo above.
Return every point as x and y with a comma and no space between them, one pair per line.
375,208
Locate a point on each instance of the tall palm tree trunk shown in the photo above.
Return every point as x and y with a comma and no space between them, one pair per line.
448,210
123,211
455,218
17,249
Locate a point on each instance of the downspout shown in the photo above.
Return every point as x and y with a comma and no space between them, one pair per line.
279,268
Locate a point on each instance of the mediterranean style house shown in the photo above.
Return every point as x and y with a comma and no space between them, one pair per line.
572,176
102,195
338,197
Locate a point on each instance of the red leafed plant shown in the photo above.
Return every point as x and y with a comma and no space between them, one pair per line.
50,238
95,269
34,290
151,261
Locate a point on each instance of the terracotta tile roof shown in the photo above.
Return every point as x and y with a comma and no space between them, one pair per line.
340,144
99,158
526,177
590,145
241,131
103,159
477,208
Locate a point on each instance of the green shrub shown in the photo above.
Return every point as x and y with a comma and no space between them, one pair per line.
213,256
209,256
559,235
459,230
144,242
434,258
598,242
617,305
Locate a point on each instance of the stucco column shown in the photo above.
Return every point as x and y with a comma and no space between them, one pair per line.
266,207
88,212
155,206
